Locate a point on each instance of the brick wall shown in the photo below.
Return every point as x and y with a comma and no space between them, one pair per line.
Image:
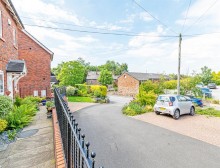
127,85
38,66
7,49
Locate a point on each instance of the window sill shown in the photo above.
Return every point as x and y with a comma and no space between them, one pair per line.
1,38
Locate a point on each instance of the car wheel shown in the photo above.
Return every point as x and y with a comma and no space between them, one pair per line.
176,114
157,112
192,111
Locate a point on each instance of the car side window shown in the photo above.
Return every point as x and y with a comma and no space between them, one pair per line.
181,98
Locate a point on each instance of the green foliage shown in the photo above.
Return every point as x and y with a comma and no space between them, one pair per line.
71,73
172,84
206,75
70,91
50,104
114,67
216,77
146,98
3,125
151,86
5,106
133,108
82,89
208,111
11,134
98,91
57,70
21,116
216,101
80,99
17,101
105,77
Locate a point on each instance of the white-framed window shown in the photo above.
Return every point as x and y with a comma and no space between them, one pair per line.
43,93
35,93
14,37
1,25
1,83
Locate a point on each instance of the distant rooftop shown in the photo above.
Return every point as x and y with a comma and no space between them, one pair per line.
146,76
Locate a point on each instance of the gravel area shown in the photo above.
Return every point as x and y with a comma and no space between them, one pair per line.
200,127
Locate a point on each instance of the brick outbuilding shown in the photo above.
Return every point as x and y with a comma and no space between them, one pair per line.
129,82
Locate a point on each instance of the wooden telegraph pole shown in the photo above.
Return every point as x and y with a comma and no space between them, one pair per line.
179,64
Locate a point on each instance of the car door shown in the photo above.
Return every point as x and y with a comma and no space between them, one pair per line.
188,104
182,103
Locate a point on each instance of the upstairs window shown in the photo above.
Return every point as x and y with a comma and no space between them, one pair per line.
1,83
15,37
1,25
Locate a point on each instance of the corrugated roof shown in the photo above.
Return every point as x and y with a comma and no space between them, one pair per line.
15,66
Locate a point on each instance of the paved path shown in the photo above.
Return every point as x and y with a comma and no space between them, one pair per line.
35,151
124,142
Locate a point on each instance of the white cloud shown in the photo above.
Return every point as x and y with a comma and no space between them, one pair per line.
47,10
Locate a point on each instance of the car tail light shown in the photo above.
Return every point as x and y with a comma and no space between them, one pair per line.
170,103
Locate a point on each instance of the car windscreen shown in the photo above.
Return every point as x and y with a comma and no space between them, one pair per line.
163,98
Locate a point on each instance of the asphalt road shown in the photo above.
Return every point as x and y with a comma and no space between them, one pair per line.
123,142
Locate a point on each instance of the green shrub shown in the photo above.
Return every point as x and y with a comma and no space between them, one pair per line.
70,91
148,86
17,101
172,84
145,98
49,104
6,106
133,108
3,125
21,116
215,101
11,134
98,91
82,89
148,108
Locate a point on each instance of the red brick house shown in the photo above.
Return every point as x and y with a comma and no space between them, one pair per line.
19,53
38,59
129,82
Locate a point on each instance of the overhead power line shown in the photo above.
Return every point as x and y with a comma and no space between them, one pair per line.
75,25
154,16
199,19
98,32
186,15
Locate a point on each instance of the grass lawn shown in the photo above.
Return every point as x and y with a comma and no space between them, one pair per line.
80,99
208,111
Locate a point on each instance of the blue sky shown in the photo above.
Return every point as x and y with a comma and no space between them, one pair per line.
149,51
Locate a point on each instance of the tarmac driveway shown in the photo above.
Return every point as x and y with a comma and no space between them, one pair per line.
123,142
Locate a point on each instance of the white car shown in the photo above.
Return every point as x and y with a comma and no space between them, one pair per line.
174,105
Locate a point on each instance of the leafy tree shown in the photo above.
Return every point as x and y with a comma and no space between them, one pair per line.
216,77
105,77
57,70
206,75
72,72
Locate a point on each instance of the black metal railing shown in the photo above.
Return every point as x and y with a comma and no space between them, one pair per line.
76,151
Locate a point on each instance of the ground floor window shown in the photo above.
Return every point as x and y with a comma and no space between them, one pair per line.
1,83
